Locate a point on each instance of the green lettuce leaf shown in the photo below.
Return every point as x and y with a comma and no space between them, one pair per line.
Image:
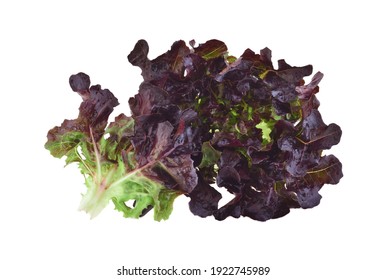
106,157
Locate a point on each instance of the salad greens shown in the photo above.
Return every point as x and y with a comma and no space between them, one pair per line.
202,120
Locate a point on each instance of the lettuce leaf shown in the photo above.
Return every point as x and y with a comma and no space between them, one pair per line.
203,120
261,135
106,157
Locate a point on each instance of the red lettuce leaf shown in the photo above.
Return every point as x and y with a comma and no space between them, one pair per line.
203,119
263,122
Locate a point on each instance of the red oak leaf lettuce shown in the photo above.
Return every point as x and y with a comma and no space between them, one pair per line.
203,120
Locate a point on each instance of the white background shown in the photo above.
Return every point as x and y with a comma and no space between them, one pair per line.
44,236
